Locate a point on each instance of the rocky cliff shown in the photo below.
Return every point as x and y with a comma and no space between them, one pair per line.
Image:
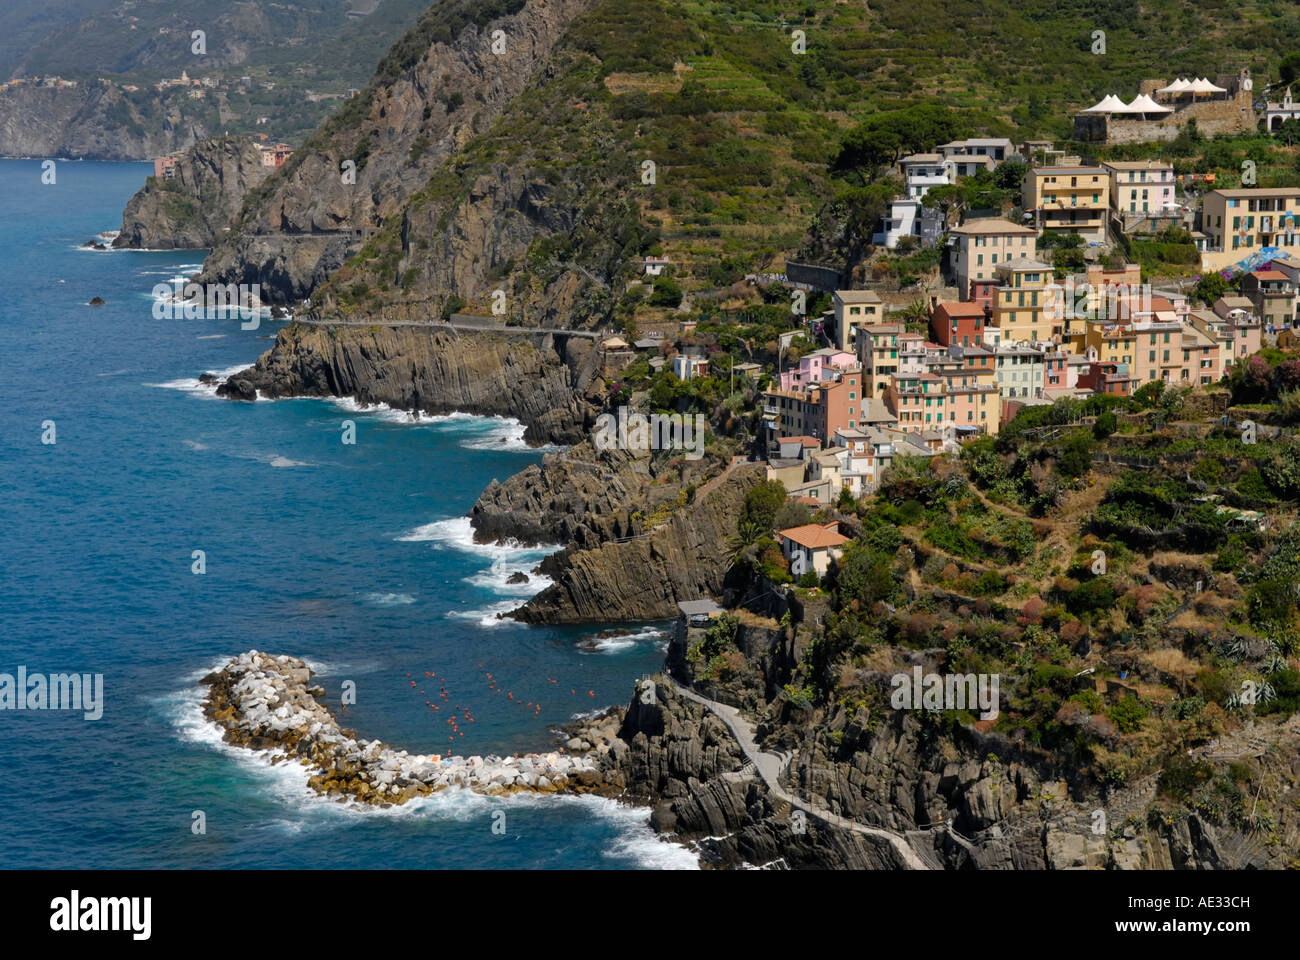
91,121
585,496
543,381
685,558
198,203
961,798
442,84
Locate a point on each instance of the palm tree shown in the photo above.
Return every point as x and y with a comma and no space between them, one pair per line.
747,534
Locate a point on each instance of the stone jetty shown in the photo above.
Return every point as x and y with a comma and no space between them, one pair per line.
269,703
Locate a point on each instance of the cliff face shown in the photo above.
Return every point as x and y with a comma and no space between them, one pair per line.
91,121
585,497
905,776
396,134
193,208
643,579
540,381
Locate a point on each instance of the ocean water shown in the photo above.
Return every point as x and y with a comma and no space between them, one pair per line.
355,557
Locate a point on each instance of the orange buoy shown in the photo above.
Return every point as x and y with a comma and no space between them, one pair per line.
590,693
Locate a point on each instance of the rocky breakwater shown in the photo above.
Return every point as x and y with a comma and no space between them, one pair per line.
201,198
269,703
684,558
549,382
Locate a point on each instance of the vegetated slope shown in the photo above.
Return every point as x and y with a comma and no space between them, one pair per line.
1102,560
470,181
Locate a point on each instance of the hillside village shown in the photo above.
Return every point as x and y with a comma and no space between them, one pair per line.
880,375
976,404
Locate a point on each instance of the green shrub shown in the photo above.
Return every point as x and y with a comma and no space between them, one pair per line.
1128,714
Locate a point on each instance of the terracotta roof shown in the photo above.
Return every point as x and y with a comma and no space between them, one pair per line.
992,225
815,537
803,440
1268,275
961,308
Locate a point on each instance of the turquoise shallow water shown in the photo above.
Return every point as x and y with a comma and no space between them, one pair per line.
350,556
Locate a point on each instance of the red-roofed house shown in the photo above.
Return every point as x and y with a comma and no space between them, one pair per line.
812,547
960,322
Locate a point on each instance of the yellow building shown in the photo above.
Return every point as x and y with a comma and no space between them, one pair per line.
853,309
878,350
1238,223
1069,199
1018,304
1114,342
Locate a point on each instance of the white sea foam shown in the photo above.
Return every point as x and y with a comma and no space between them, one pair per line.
192,386
332,668
489,616
636,841
626,641
278,461
390,599
497,578
458,533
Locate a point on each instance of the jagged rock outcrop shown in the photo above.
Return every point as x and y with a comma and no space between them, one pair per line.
585,496
962,798
643,579
191,209
91,121
542,380
396,134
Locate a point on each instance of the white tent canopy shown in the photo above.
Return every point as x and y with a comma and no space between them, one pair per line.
1107,104
1178,86
1144,104
1128,108
1201,85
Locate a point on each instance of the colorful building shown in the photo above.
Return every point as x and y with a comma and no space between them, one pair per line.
982,245
1069,199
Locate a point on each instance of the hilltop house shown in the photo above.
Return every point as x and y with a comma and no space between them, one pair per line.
812,546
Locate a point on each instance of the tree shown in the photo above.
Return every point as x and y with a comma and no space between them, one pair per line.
762,502
1289,69
667,293
865,575
1009,175
1210,288
1289,131
846,500
1076,454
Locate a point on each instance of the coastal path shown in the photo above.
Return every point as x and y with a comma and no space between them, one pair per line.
770,767
458,322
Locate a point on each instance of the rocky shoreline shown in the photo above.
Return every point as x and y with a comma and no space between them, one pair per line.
549,384
268,703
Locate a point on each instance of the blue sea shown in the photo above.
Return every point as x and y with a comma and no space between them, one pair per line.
355,557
